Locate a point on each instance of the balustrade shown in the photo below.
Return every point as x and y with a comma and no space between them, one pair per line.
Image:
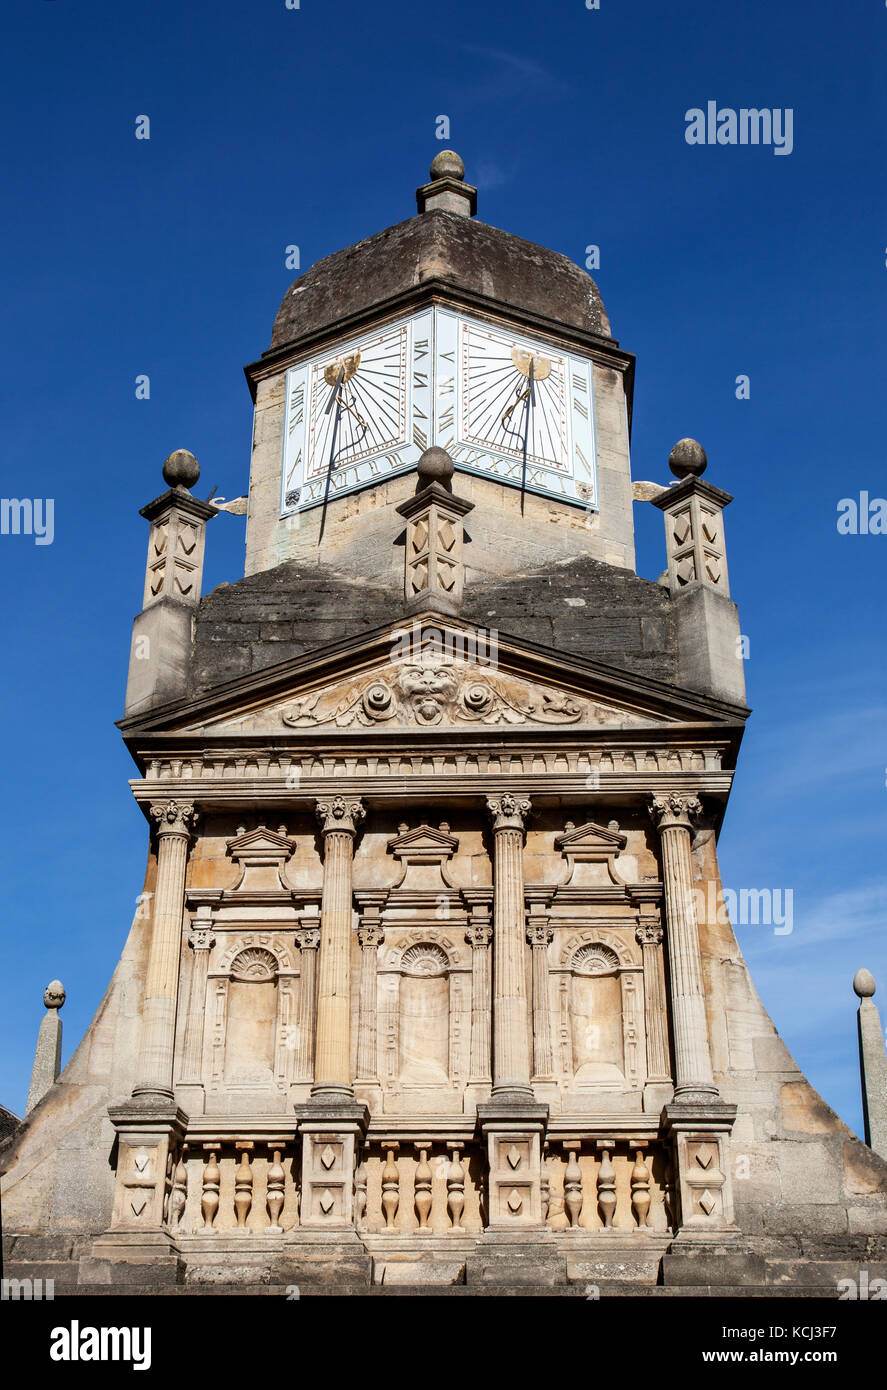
424,1187
224,1186
604,1185
420,1186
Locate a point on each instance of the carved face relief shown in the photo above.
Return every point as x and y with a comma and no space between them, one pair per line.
435,690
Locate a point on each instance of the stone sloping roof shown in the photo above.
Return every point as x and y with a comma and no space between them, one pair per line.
440,246
583,608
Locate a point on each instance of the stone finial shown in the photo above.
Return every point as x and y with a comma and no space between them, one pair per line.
864,983
48,1054
435,466
447,165
447,191
181,469
54,995
872,1063
687,459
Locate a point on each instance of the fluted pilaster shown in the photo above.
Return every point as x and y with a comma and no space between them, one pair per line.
308,941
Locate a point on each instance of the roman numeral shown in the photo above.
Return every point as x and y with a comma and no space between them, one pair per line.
421,349
446,419
420,379
581,407
449,357
420,437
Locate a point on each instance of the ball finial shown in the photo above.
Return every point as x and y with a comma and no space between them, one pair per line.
181,469
447,165
435,466
687,459
864,983
54,995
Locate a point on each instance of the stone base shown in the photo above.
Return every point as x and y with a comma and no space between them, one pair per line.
323,1257
419,1260
132,1257
517,1258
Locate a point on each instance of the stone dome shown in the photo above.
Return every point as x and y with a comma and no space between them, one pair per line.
439,250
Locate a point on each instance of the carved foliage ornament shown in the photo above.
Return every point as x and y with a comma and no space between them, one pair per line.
433,691
674,809
508,811
339,814
173,817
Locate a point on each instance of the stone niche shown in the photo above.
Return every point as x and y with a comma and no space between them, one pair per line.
250,1023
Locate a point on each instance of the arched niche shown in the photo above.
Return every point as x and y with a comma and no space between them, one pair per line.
602,1028
424,1015
250,1026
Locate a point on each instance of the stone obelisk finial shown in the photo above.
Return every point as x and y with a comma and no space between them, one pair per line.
872,1064
48,1056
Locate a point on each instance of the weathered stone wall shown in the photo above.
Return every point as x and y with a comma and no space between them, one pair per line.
58,1174
582,607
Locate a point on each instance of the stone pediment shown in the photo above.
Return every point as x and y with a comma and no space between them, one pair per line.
431,691
590,852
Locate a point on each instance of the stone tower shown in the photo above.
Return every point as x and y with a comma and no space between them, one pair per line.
428,981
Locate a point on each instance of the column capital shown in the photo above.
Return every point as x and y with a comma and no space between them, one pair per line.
370,934
307,938
540,934
675,809
339,814
173,817
479,935
648,933
201,937
508,811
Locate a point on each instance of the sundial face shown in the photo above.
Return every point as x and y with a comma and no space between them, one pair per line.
504,405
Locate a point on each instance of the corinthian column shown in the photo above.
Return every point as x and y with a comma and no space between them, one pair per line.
694,1080
332,1057
174,819
511,1052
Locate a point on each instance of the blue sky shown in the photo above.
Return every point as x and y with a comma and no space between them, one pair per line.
272,127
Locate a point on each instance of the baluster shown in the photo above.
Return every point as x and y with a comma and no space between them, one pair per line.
640,1183
179,1189
606,1183
423,1184
360,1191
274,1199
456,1186
390,1186
212,1176
243,1185
573,1182
545,1183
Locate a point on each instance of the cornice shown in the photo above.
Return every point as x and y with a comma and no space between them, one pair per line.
442,293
